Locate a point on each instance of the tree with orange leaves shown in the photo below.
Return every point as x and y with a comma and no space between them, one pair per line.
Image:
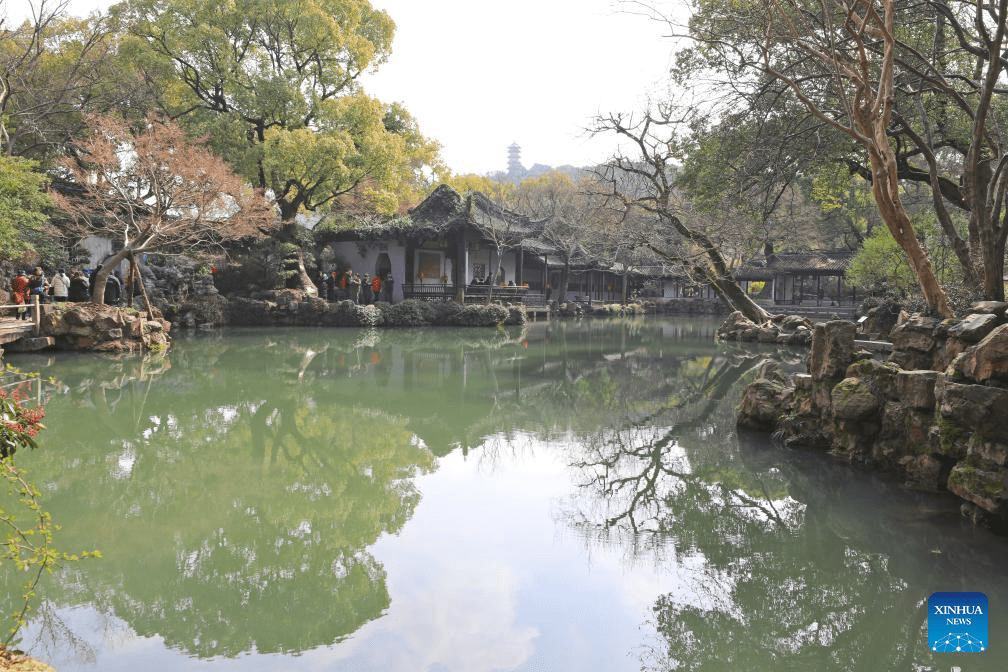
153,189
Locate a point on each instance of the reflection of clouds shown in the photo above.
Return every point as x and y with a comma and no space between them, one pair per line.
464,620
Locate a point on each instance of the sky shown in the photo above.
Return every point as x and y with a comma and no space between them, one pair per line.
479,76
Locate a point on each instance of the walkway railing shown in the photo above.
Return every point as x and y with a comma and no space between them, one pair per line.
473,293
36,311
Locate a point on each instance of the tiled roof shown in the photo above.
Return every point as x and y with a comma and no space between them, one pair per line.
819,262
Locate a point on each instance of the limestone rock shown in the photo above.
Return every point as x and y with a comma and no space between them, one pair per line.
880,376
985,488
916,388
832,349
974,327
763,403
987,360
853,399
924,472
916,333
964,410
992,307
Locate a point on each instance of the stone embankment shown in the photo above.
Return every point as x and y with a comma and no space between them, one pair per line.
935,413
780,329
98,328
294,308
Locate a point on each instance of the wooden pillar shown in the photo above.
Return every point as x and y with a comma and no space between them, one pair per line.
36,313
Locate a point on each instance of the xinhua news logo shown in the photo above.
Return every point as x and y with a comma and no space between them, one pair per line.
957,622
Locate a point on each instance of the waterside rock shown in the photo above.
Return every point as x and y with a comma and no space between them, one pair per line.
100,328
935,428
780,329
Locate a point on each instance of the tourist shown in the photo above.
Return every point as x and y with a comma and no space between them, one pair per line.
331,286
322,292
376,287
19,288
113,289
366,291
354,288
60,286
38,285
344,284
80,289
387,287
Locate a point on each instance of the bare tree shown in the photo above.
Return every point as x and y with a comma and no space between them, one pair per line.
646,184
53,68
500,224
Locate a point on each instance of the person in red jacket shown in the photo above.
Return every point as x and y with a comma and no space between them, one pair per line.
19,287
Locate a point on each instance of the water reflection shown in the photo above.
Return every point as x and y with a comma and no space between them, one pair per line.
240,485
247,474
792,562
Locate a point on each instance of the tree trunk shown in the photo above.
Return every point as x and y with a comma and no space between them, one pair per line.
99,279
136,279
994,267
885,188
288,234
717,273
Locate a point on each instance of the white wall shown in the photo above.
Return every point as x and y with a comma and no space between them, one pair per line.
350,252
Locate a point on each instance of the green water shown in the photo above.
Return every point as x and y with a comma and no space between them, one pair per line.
572,497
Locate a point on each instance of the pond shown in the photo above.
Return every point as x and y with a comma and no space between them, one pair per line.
572,496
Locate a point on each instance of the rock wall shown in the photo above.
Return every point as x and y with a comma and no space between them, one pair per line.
935,413
782,329
89,326
293,308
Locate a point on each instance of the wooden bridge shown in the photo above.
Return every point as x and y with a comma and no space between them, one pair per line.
25,333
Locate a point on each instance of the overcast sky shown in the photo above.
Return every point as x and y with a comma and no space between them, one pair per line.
480,75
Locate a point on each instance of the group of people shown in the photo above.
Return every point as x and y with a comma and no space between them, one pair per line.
349,285
25,288
58,288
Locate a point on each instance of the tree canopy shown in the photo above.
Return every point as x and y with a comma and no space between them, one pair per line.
895,91
23,207
151,188
275,87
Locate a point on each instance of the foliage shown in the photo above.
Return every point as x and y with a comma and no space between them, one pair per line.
898,92
274,85
27,547
52,70
23,205
880,266
151,188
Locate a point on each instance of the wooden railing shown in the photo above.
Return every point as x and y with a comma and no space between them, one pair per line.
34,306
473,293
428,291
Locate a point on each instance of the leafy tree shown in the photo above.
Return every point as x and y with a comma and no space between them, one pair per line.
151,189
903,98
274,86
23,205
54,68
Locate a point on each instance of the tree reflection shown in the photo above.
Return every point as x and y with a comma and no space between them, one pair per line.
236,485
773,580
237,518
